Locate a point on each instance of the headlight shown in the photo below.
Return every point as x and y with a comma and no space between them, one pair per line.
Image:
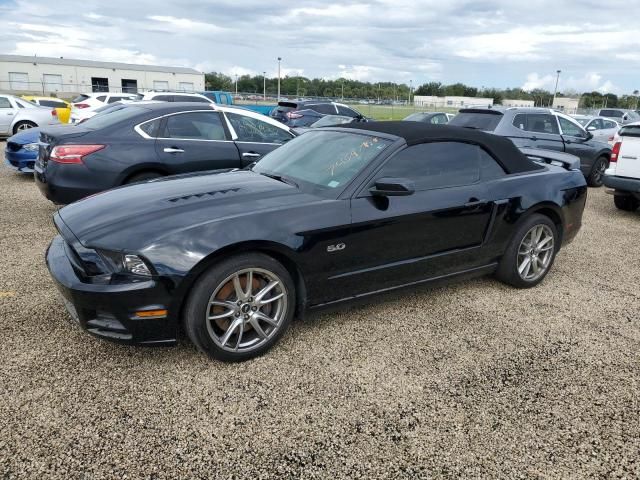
31,147
134,264
125,263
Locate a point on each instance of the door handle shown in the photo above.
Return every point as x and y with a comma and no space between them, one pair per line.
251,155
474,202
173,150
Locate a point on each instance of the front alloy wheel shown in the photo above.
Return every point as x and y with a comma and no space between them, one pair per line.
246,310
240,307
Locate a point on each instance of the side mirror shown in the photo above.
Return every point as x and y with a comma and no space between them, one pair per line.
591,128
392,187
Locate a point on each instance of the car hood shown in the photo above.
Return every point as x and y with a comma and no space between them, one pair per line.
26,136
133,217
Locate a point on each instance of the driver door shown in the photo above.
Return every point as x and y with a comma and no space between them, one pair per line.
254,138
575,142
437,230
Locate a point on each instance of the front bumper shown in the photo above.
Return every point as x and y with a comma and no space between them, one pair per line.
108,310
22,161
622,183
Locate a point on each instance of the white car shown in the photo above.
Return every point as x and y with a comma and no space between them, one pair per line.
623,174
173,97
88,102
603,129
17,114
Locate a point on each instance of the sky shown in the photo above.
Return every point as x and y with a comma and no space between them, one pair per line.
483,43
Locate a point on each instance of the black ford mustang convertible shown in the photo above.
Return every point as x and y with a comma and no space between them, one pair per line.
333,215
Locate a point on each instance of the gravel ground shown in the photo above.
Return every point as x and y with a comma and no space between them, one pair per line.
474,380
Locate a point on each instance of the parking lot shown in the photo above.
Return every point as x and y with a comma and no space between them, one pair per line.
474,380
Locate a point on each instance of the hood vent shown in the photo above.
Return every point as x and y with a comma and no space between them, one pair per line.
203,194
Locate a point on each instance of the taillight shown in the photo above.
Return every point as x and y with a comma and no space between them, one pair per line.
614,152
81,105
54,113
292,115
73,153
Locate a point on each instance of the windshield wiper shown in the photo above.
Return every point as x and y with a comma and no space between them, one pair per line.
281,178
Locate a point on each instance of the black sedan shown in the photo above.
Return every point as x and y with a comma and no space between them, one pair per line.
336,214
141,141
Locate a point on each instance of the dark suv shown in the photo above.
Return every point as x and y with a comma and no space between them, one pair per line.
305,112
542,128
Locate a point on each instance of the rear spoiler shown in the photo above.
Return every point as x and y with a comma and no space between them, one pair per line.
550,157
288,104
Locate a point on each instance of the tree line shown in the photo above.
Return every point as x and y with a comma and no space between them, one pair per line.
299,86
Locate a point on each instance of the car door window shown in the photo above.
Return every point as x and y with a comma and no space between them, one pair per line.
438,165
101,98
608,124
115,99
194,126
439,119
570,128
536,122
324,108
5,103
151,128
249,129
595,123
347,112
164,98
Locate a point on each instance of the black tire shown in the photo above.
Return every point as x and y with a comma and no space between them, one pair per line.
23,125
626,203
508,268
141,177
596,175
198,310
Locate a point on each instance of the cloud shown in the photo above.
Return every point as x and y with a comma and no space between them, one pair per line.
589,82
486,43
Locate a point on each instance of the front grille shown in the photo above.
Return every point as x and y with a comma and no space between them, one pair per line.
13,147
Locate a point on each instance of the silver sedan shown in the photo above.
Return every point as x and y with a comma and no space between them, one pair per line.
16,114
602,129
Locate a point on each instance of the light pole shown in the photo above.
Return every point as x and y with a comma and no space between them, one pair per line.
236,84
279,60
636,92
342,96
555,91
264,86
410,90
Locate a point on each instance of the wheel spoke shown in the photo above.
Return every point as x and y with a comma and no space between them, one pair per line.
546,249
229,332
240,332
265,318
249,284
256,326
544,241
524,266
238,287
272,299
270,286
536,268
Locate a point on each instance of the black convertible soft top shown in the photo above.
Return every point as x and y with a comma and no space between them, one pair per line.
503,149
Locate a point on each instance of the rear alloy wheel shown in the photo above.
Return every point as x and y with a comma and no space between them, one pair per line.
597,172
24,125
240,307
530,254
627,203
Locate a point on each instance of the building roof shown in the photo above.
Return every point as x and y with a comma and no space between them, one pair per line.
502,148
91,63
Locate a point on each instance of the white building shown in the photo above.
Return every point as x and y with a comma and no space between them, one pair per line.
517,103
566,104
453,102
66,78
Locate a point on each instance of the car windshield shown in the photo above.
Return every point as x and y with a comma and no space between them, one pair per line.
481,121
111,117
324,161
331,120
